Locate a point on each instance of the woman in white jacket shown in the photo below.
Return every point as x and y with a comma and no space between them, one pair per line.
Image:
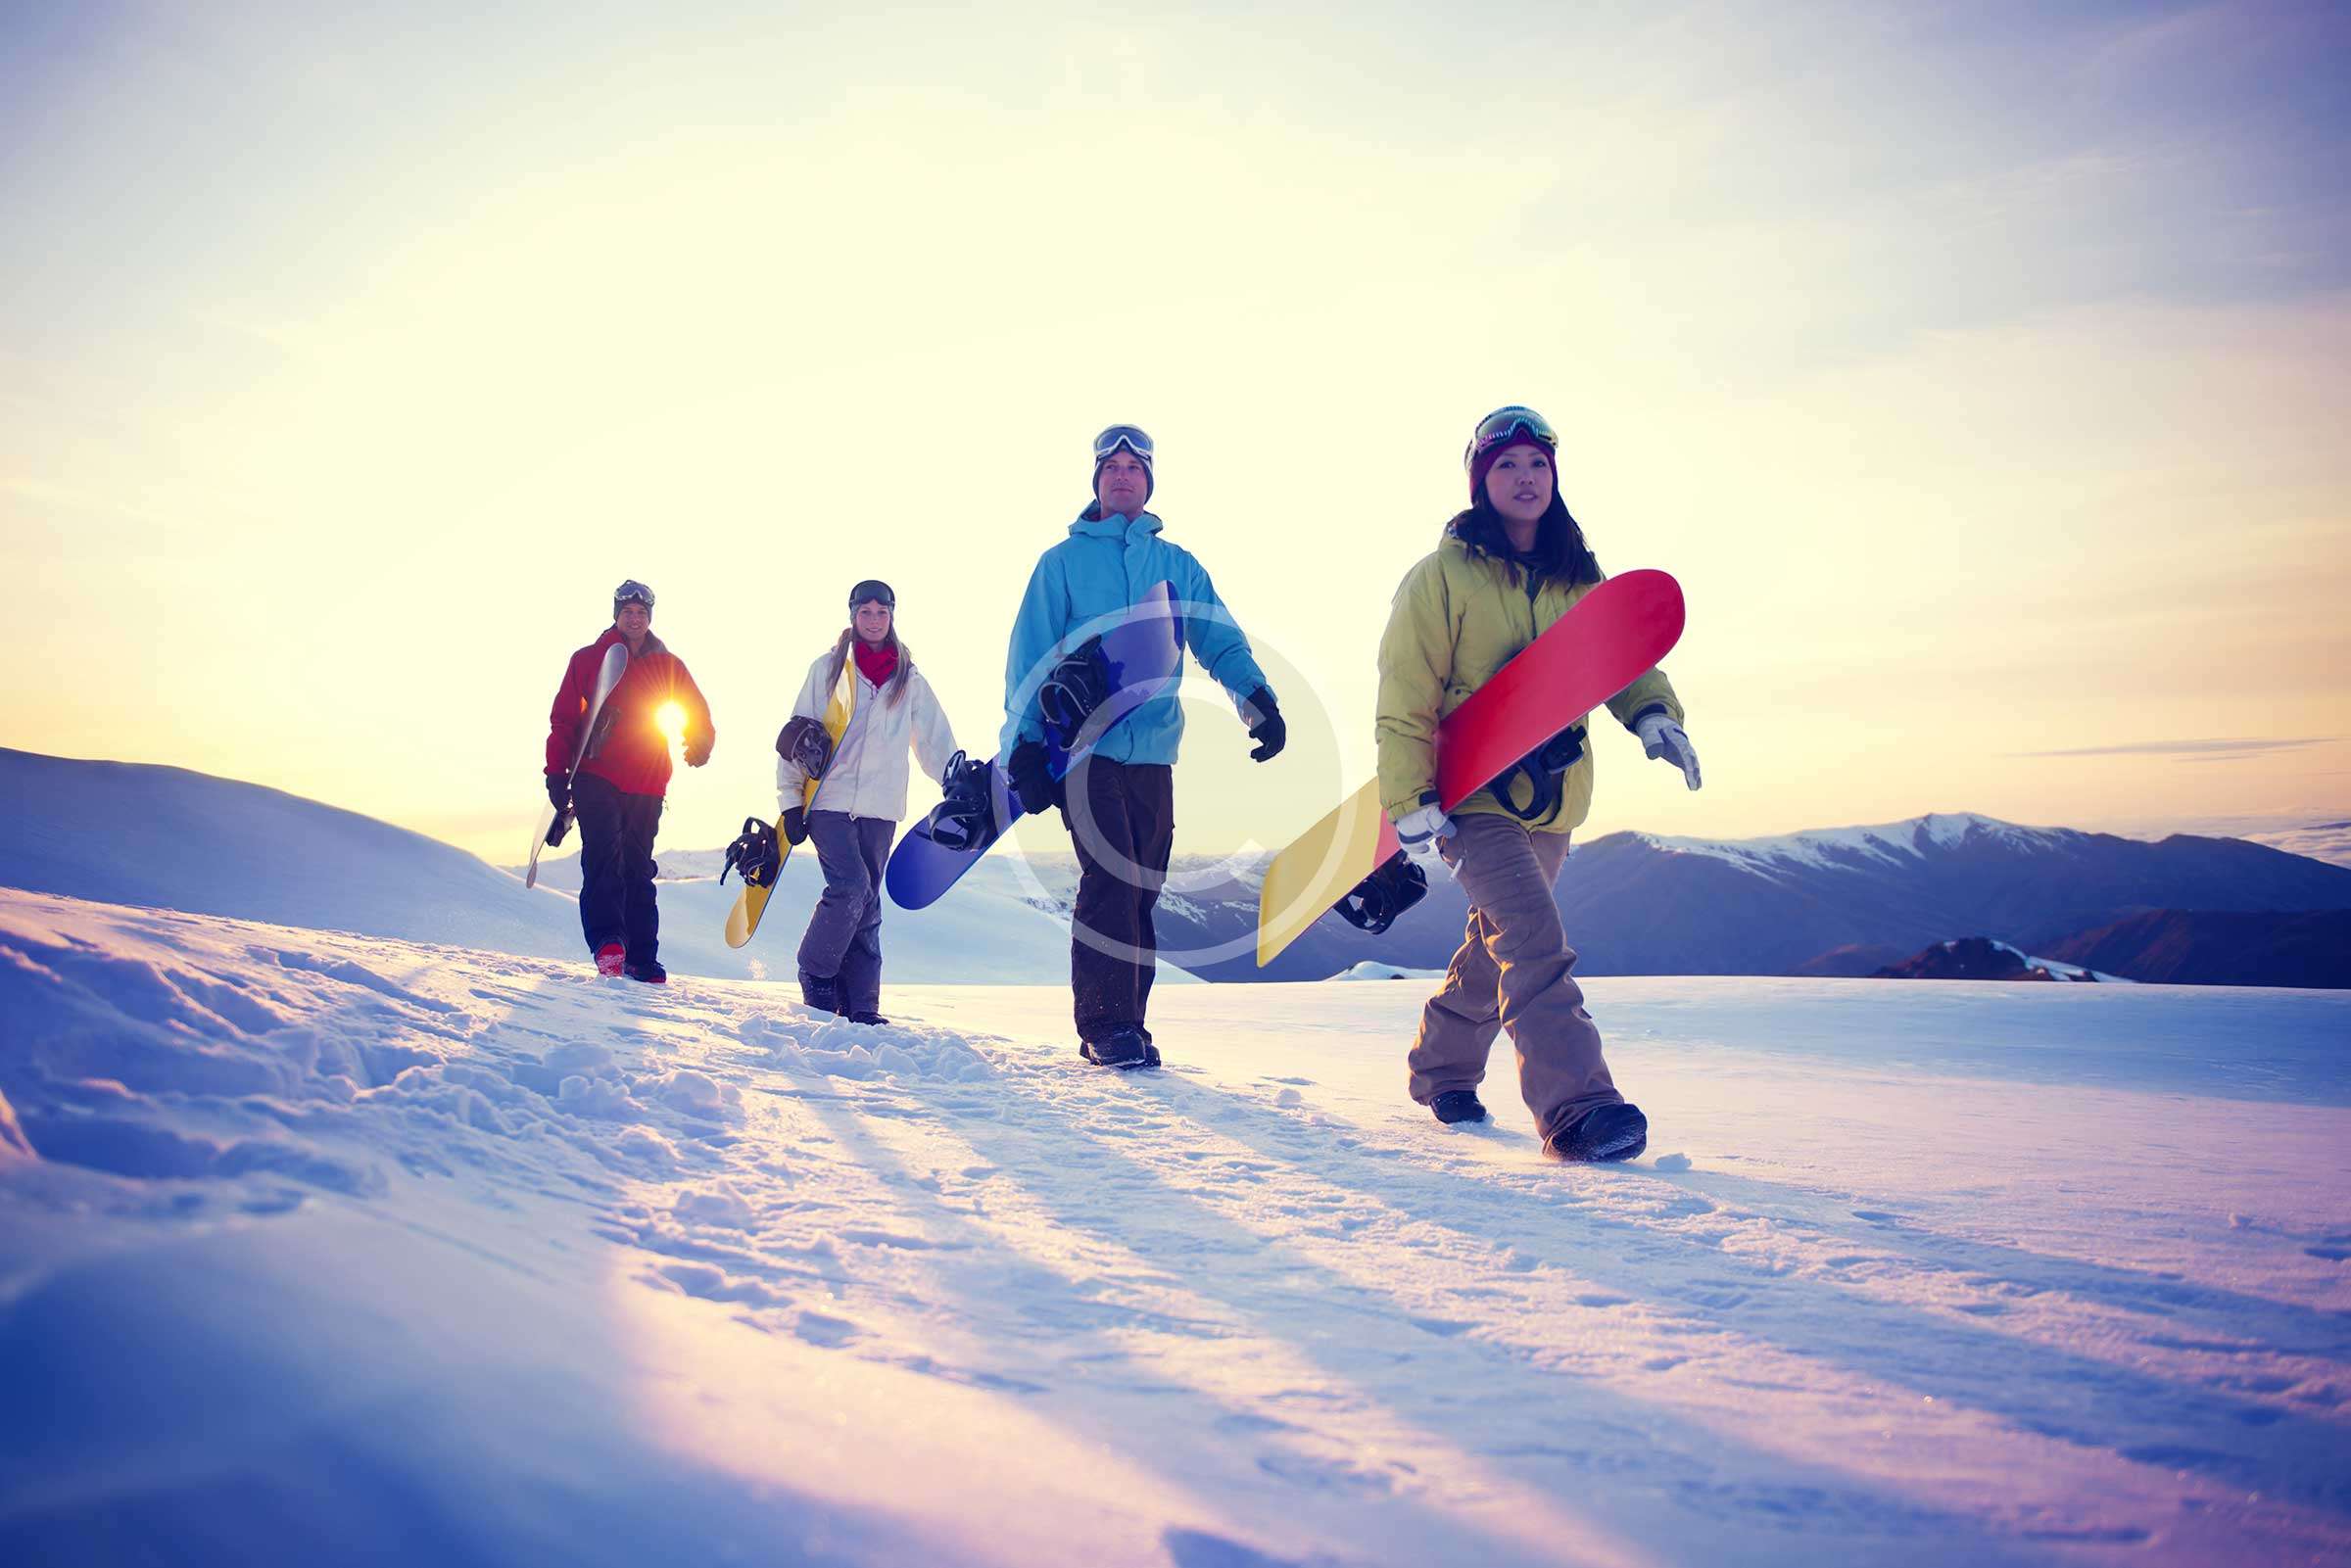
860,795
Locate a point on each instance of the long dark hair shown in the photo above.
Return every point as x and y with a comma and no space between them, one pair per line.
895,691
1559,554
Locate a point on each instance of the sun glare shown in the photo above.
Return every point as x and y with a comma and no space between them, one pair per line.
670,719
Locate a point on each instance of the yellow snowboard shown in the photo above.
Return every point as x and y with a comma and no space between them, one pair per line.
743,920
1320,867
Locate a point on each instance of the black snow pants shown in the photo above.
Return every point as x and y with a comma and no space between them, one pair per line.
616,867
1123,824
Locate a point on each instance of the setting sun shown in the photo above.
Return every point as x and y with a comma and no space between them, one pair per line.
670,719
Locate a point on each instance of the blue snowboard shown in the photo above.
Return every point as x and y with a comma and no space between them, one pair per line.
1133,660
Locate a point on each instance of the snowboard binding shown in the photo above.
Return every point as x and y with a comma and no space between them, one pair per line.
960,821
806,744
1546,771
1373,904
754,853
558,828
1073,689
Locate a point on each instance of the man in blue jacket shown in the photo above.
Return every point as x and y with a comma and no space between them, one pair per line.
1119,801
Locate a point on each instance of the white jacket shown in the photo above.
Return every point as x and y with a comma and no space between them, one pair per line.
868,773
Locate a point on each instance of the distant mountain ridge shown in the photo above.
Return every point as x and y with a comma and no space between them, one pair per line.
1980,958
2202,947
1836,901
1638,903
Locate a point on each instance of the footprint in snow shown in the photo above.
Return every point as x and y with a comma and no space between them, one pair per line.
828,1333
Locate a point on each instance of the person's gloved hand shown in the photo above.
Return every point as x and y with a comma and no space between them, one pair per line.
559,791
1031,775
697,747
1660,736
1266,729
1425,824
796,824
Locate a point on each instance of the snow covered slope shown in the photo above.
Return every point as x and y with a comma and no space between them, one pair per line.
129,833
321,1249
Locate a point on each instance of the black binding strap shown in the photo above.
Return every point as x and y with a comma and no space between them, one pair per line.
754,853
1545,768
957,822
1073,691
1373,903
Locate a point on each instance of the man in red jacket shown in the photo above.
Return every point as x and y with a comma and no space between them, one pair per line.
623,774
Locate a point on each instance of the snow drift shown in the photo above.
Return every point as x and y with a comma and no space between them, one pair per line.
168,839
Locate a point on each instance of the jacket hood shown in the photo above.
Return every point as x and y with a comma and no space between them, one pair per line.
1118,525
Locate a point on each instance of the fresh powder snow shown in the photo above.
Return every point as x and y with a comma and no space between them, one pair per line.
321,1246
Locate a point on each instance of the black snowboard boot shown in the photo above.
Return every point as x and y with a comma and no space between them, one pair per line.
1458,1105
867,1018
650,971
821,991
1123,1047
1608,1133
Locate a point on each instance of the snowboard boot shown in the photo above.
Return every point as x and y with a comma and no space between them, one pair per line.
611,961
650,971
867,1017
1606,1132
1457,1104
1124,1047
821,991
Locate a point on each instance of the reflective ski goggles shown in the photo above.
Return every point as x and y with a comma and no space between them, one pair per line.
1127,435
633,589
872,591
1506,424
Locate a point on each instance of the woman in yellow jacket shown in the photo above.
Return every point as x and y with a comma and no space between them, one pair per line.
1503,573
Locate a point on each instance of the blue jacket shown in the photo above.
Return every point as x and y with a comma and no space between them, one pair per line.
1106,564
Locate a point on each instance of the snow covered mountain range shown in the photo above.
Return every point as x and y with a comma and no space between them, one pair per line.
1837,901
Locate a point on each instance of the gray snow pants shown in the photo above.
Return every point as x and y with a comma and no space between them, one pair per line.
844,935
1511,973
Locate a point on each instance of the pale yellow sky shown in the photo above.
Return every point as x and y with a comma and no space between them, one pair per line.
345,366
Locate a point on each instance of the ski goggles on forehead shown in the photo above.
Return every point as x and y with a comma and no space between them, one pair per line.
1504,425
1127,436
633,589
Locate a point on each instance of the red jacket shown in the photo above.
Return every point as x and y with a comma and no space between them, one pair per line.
627,750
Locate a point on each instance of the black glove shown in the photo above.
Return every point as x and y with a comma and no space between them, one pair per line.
796,824
1031,775
559,791
1269,732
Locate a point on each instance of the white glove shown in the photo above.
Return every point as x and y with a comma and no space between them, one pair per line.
1422,824
1660,736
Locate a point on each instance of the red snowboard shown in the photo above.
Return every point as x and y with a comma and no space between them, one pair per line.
1612,637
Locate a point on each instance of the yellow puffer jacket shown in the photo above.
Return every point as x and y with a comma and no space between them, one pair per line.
1459,618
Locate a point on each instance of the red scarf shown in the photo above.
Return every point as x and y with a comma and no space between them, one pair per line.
877,662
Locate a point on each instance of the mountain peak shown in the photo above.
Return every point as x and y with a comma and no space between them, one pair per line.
1892,842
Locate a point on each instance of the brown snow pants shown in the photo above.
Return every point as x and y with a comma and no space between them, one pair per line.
1511,972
